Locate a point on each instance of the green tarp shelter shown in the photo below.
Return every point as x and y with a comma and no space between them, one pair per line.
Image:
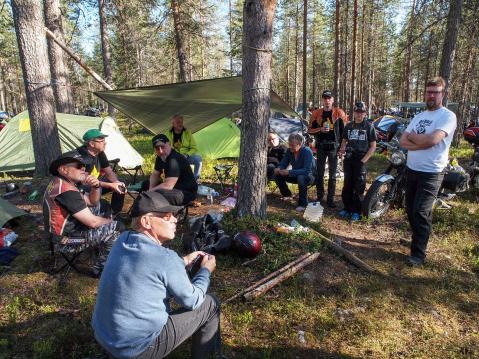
9,211
200,102
16,154
221,139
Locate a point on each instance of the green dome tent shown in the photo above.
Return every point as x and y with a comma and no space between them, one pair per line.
17,148
221,139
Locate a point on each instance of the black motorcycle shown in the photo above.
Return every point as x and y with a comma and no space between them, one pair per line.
389,188
471,135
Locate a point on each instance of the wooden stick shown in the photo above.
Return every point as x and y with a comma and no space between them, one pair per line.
350,256
268,277
279,278
77,58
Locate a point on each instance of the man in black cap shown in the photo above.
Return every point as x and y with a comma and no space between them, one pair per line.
132,316
70,214
97,165
179,185
327,125
358,145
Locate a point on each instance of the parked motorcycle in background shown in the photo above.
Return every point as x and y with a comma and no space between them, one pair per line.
471,135
389,188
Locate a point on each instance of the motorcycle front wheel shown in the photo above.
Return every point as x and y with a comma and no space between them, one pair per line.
377,199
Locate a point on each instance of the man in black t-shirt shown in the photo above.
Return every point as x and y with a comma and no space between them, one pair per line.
97,165
70,214
179,186
276,152
358,145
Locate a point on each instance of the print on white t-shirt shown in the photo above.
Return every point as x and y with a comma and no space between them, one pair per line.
432,159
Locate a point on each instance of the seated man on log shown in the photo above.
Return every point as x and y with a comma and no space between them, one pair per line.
179,185
70,214
132,316
183,142
97,165
300,158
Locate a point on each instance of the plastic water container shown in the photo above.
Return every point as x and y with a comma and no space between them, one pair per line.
313,212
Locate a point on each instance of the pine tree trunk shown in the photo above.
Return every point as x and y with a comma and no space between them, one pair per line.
105,49
449,45
361,56
305,38
179,37
287,98
257,76
337,56
353,57
58,67
296,59
407,60
28,19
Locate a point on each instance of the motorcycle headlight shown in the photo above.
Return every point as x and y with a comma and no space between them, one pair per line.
397,158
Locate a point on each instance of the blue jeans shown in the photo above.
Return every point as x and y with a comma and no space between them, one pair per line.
196,161
301,180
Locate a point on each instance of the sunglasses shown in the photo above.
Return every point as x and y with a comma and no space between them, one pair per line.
360,111
76,165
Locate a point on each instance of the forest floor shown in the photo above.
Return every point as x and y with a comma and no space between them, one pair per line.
332,309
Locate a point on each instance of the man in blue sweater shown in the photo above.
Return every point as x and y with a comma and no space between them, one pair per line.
132,317
300,158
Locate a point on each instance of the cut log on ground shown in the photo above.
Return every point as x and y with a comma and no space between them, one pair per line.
268,277
256,292
349,256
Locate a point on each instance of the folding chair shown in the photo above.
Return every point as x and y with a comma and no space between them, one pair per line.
223,172
132,172
70,250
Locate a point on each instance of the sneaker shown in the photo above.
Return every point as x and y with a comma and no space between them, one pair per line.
415,261
300,209
343,214
355,217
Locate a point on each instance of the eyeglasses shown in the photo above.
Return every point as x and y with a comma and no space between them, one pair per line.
359,111
433,92
164,216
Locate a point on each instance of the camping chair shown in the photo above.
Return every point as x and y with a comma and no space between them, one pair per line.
132,172
70,250
223,173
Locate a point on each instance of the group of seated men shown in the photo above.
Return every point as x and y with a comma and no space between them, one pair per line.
132,317
72,206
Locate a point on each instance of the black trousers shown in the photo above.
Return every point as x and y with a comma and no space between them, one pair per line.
174,196
117,199
421,192
332,156
355,174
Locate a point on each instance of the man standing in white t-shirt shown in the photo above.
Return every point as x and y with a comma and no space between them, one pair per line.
427,139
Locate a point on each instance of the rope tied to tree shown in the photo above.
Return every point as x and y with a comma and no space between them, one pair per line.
256,88
258,49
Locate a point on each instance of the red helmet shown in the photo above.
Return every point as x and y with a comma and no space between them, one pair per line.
247,244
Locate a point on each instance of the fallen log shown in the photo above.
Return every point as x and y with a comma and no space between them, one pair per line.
256,292
268,277
350,256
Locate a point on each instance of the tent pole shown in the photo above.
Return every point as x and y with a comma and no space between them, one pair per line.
78,60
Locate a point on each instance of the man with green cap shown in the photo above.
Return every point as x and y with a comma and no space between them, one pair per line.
97,165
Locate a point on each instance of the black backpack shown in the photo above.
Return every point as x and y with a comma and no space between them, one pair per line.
206,235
